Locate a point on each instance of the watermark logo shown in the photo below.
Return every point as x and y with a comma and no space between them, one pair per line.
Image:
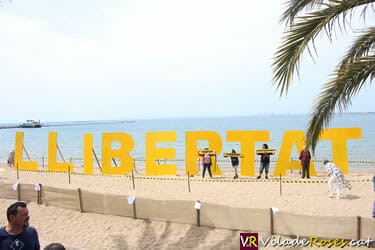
313,241
252,240
248,241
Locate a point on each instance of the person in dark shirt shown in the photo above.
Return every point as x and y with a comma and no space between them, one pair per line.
235,162
305,158
264,162
17,234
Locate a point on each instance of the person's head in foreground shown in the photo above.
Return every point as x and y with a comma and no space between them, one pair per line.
17,234
54,246
18,216
265,146
325,162
233,151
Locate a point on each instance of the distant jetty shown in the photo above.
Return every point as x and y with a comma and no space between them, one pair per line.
27,124
37,124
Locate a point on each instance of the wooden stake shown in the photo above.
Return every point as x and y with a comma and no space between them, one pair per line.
198,217
189,181
271,221
133,179
97,160
39,194
61,155
27,154
80,200
37,197
19,192
358,227
134,211
114,161
280,185
134,167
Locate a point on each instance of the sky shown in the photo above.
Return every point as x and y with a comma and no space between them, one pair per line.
115,59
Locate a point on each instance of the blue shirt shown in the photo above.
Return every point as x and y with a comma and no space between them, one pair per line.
27,240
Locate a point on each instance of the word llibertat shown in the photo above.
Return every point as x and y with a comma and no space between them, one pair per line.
246,139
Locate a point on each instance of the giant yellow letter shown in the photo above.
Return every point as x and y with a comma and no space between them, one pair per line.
154,154
108,154
339,136
192,139
247,141
18,162
53,165
283,162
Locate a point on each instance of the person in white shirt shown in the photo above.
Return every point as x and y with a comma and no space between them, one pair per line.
335,175
11,159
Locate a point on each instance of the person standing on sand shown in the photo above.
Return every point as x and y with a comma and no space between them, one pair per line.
305,158
207,162
11,159
264,162
235,162
335,175
17,234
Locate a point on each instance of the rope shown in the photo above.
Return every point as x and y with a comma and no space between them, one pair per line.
289,181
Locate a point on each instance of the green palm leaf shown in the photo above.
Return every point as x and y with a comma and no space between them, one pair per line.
338,93
355,69
301,34
296,6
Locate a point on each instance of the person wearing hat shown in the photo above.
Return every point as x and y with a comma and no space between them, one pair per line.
335,175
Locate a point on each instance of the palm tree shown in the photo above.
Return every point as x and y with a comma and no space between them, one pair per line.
355,69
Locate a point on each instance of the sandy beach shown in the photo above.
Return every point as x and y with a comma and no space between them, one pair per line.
95,231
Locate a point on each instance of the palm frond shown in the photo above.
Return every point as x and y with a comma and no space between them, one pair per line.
338,93
362,46
297,39
295,6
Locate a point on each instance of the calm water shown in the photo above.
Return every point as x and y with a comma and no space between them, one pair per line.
70,138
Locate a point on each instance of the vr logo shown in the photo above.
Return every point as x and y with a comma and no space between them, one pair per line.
248,241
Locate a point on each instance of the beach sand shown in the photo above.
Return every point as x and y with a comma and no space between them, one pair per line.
95,231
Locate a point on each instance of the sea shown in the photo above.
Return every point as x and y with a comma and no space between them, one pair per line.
70,135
